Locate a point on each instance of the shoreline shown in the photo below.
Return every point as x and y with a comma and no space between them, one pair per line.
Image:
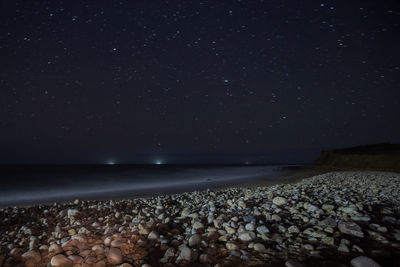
333,218
286,173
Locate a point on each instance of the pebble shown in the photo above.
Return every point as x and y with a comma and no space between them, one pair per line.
363,261
194,240
211,227
246,236
185,254
258,247
114,256
31,257
60,261
231,246
279,201
350,228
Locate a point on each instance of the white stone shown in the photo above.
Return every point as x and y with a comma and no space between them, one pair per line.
279,201
363,261
247,236
60,261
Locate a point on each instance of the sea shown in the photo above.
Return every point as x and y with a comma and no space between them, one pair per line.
24,185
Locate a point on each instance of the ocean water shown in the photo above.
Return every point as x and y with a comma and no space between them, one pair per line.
44,184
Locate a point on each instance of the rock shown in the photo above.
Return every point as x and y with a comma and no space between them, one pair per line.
343,248
250,227
276,217
71,231
98,249
308,246
279,201
231,246
293,229
169,253
350,210
153,236
194,240
72,212
258,247
310,208
363,261
360,218
101,263
126,265
350,228
328,207
329,222
205,258
197,225
262,229
293,263
328,240
249,218
55,248
185,213
357,249
247,236
75,259
32,256
186,254
114,256
230,230
60,261
117,242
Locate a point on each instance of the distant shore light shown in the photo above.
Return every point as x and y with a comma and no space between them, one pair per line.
158,162
110,162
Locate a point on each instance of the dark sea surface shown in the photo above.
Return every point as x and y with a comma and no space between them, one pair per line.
45,184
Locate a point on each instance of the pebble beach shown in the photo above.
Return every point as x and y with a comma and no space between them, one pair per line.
346,218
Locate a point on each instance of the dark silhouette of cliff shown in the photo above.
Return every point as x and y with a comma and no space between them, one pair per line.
383,156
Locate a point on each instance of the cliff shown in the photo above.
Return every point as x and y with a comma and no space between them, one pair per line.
384,156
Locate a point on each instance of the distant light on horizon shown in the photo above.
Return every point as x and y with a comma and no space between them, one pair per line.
158,162
111,162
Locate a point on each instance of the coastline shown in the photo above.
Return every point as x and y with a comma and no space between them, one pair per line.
330,218
147,189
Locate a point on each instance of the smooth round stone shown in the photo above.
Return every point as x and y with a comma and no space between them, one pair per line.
293,229
194,240
363,261
250,227
55,248
258,247
76,259
32,256
231,246
350,228
61,261
247,236
292,263
117,242
197,225
262,229
279,201
100,264
153,236
186,253
114,256
98,249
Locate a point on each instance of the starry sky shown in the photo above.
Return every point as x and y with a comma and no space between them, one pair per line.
196,81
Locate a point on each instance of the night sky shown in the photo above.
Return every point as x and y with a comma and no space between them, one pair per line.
196,81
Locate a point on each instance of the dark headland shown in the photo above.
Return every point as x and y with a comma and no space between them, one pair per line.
347,215
382,156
